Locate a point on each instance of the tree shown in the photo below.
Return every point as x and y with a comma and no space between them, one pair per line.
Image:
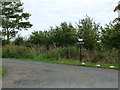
111,35
37,38
19,41
116,28
40,38
13,19
89,31
63,35
117,8
69,34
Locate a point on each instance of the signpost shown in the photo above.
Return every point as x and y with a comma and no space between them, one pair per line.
80,42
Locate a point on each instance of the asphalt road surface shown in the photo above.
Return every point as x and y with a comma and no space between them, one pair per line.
28,74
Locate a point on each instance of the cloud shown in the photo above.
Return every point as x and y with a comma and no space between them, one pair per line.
52,12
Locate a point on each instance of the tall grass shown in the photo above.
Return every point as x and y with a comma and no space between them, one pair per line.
66,53
17,52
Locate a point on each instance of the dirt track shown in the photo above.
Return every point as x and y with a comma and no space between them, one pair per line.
28,74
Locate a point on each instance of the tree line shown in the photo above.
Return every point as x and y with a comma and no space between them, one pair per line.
64,35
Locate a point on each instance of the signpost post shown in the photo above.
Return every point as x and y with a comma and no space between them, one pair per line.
80,42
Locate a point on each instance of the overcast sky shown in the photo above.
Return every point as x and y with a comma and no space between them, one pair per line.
46,13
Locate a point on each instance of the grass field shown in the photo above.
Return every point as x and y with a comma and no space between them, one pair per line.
87,64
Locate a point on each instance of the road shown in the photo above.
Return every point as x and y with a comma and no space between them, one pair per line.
28,74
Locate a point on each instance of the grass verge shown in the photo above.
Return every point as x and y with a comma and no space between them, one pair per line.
87,64
2,71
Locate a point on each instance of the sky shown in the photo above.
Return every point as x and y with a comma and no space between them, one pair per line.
47,13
